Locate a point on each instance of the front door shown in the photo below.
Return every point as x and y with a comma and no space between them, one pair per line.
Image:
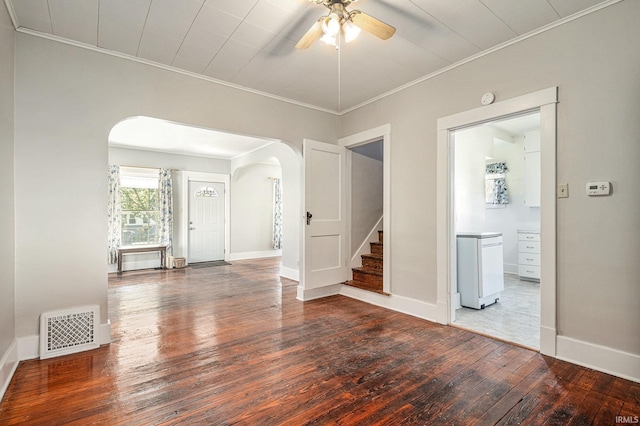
206,221
325,244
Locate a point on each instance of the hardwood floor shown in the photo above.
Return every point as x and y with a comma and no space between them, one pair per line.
232,345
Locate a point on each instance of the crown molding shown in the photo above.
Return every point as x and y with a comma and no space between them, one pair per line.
479,55
12,14
169,68
455,65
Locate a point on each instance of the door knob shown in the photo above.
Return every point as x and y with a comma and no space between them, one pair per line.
309,216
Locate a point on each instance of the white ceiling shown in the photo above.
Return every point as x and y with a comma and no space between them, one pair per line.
152,134
250,43
517,126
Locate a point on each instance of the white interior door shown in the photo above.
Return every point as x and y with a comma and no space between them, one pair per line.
206,221
325,255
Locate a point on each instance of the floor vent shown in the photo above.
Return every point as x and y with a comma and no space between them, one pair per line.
69,331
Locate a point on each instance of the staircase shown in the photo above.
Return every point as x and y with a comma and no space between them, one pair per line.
369,276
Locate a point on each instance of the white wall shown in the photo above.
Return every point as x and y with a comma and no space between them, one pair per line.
7,236
595,63
142,158
67,100
366,197
290,160
472,146
252,209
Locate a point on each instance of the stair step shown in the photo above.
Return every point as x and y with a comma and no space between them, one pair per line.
373,261
368,275
376,248
367,286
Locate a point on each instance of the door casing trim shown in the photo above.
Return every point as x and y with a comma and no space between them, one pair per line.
187,176
545,101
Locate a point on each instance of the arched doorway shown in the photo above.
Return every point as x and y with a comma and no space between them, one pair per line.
189,152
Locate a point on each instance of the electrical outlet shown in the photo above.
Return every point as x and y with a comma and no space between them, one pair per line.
563,190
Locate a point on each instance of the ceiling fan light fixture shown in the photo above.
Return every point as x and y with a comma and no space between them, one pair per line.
350,30
331,25
329,39
343,23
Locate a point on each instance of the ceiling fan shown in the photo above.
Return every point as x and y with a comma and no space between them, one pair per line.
339,19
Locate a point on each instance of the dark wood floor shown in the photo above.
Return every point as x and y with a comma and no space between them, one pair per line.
231,345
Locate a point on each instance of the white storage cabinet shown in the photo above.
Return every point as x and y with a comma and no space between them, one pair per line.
480,268
529,255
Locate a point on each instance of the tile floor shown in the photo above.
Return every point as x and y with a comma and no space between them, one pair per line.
515,318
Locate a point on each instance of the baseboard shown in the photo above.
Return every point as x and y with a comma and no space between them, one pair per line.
8,364
510,268
548,341
29,346
255,254
406,305
105,333
317,293
290,273
601,358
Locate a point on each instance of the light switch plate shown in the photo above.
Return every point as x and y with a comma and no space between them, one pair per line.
563,190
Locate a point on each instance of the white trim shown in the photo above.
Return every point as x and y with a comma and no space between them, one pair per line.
8,366
510,268
105,333
356,259
545,101
255,254
318,292
28,347
405,305
352,141
290,273
187,176
489,51
364,137
479,55
12,14
601,358
511,106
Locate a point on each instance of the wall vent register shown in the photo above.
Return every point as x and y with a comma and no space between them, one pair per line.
69,331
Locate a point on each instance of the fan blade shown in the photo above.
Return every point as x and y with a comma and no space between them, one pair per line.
314,33
372,25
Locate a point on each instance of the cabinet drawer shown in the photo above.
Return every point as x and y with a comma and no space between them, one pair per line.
529,246
529,259
528,237
526,271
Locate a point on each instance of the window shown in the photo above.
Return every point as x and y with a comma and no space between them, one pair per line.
139,206
206,191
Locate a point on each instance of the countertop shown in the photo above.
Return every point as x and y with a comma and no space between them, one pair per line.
478,234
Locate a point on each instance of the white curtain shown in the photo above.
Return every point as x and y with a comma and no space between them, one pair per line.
165,207
113,214
277,214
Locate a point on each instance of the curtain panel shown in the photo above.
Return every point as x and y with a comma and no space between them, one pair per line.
277,214
113,213
495,184
165,207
